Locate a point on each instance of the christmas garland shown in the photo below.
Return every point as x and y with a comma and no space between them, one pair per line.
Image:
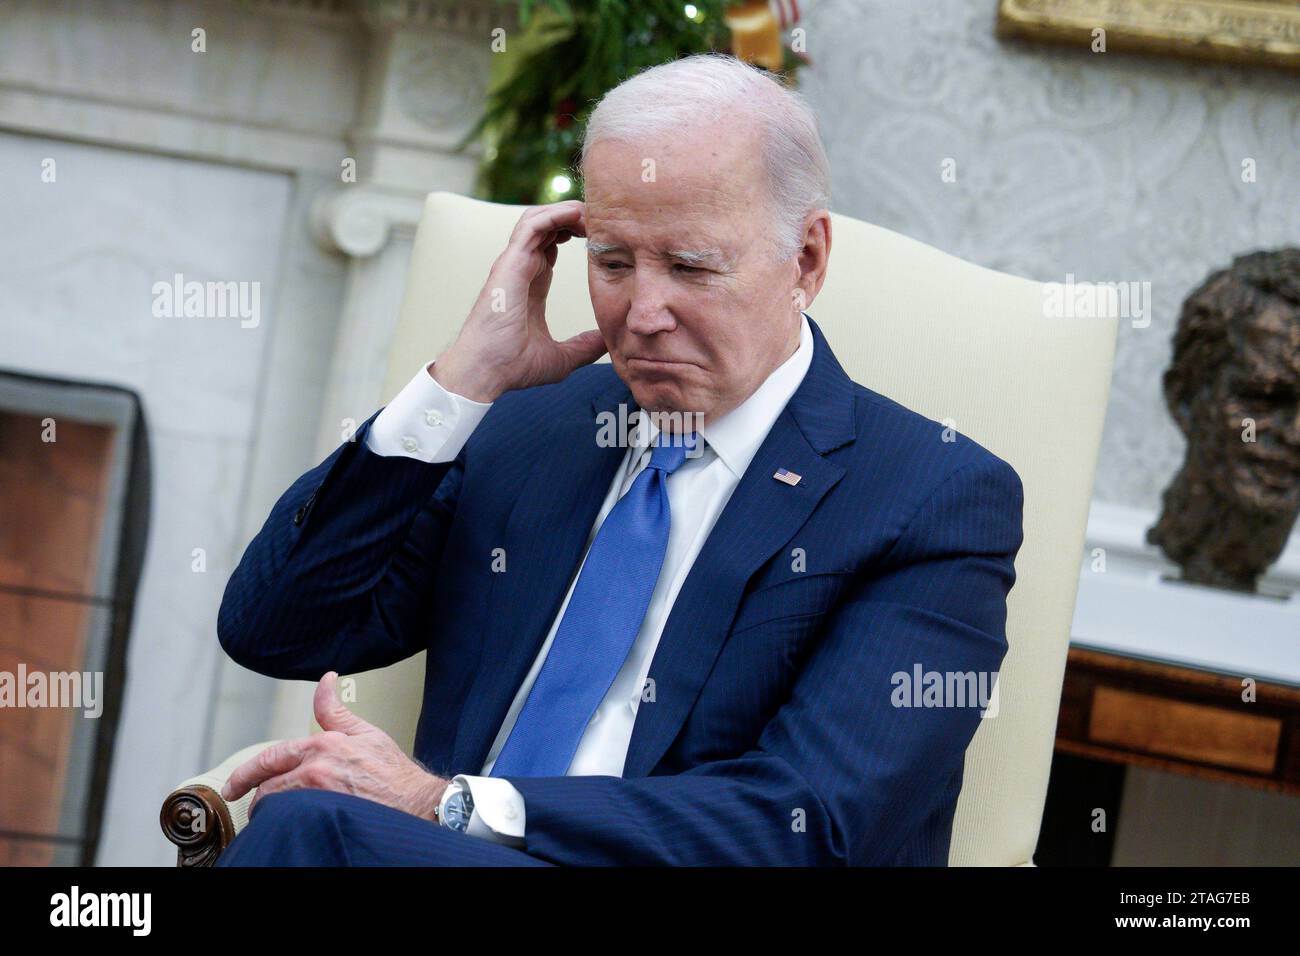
576,50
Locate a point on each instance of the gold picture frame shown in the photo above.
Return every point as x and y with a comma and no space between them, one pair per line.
1237,31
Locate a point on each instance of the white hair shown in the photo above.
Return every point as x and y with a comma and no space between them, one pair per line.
702,88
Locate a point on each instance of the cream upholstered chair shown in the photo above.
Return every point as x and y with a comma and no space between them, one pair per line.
954,341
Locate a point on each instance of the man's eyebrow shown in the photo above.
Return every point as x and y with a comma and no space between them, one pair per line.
711,255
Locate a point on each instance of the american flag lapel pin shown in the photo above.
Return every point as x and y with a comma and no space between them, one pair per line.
789,477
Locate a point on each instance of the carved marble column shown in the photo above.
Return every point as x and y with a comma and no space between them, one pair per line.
425,87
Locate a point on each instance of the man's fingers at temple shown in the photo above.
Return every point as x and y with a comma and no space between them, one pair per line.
539,230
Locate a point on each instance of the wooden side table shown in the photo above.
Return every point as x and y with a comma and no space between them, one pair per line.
1155,678
1158,715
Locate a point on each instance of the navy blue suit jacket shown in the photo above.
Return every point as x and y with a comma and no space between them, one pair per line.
772,738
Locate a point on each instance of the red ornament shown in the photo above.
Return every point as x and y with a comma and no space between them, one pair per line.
564,113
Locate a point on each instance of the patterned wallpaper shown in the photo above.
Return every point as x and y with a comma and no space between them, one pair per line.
1112,167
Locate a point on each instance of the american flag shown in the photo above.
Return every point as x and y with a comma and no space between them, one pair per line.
789,477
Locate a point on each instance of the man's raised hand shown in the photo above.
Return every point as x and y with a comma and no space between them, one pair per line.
505,342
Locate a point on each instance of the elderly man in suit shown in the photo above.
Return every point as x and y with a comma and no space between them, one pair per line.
712,602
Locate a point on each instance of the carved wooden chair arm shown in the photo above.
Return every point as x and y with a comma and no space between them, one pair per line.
198,820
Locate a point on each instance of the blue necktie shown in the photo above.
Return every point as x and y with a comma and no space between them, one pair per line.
600,623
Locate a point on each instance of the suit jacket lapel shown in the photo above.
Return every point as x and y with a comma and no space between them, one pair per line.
761,516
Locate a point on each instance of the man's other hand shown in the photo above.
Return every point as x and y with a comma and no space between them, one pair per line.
350,756
505,342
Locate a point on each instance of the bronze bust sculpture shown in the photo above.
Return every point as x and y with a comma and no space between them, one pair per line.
1234,390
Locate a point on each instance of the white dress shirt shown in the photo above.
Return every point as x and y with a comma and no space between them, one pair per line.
427,422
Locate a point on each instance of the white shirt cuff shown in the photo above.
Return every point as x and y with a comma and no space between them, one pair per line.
498,813
425,421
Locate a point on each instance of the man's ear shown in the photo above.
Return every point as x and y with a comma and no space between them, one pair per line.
814,257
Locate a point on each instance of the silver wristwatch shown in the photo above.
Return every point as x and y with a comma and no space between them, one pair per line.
455,808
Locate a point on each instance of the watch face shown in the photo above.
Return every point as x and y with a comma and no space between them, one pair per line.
457,812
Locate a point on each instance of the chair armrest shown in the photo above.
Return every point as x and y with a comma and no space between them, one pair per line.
199,820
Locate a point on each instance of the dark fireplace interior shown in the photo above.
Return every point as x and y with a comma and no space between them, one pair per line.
73,521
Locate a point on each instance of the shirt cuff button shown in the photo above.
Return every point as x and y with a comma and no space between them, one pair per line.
410,444
432,417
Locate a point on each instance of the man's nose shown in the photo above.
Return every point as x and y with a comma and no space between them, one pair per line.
648,323
648,312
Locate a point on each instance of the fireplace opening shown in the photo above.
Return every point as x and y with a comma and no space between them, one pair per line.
74,513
